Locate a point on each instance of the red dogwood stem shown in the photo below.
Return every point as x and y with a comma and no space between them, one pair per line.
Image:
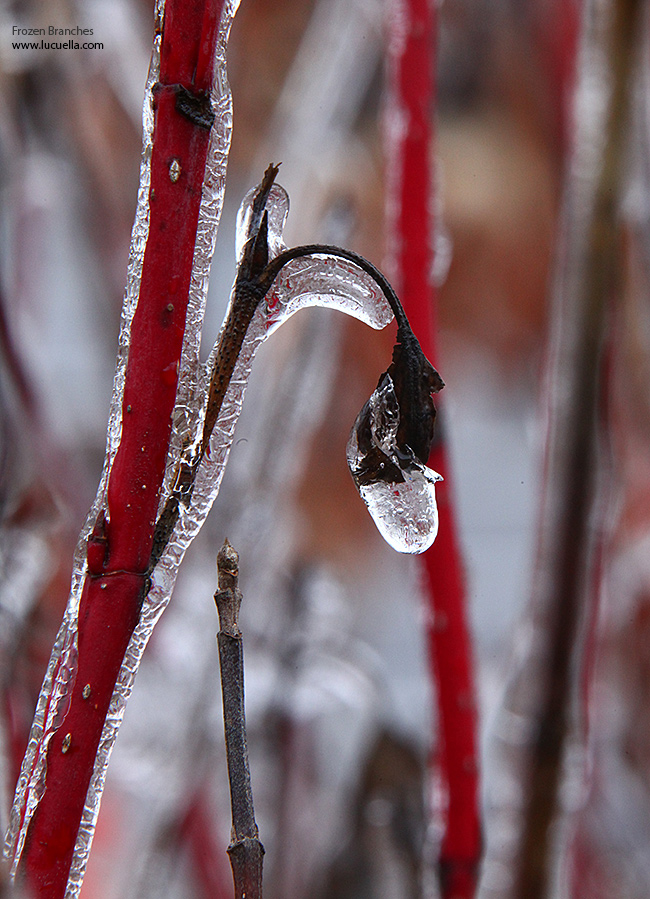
211,870
412,86
556,42
119,547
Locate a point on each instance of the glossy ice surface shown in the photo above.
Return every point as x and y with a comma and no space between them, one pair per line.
397,488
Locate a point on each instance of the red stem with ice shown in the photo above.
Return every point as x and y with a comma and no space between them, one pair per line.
119,548
412,86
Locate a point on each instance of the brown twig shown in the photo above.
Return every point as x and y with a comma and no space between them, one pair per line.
565,553
415,378
245,850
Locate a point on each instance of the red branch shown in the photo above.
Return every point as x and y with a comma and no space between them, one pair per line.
120,546
211,870
413,87
556,42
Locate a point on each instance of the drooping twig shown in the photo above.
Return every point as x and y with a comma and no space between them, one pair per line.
411,58
245,850
565,555
414,376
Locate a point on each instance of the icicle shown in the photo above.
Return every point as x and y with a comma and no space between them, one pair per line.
397,488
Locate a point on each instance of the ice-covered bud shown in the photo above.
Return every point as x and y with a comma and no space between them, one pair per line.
389,444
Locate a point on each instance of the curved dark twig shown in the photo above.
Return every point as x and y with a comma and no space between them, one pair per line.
414,377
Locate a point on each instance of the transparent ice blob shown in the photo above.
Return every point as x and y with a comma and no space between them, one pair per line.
397,488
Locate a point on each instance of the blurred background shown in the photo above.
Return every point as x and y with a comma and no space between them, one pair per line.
340,704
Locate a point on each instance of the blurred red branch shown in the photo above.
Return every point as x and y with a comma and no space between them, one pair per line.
412,60
557,44
198,832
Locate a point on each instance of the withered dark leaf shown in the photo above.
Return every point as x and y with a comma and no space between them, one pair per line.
415,380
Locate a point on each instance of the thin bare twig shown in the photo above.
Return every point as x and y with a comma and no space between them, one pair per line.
245,850
565,544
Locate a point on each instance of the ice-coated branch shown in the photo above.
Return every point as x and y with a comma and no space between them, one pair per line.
245,851
246,299
88,680
381,458
411,230
414,377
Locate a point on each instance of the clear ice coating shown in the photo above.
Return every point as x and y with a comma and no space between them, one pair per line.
277,209
397,488
61,671
62,667
315,280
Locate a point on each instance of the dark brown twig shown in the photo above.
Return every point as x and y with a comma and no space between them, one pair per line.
566,544
414,377
245,850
